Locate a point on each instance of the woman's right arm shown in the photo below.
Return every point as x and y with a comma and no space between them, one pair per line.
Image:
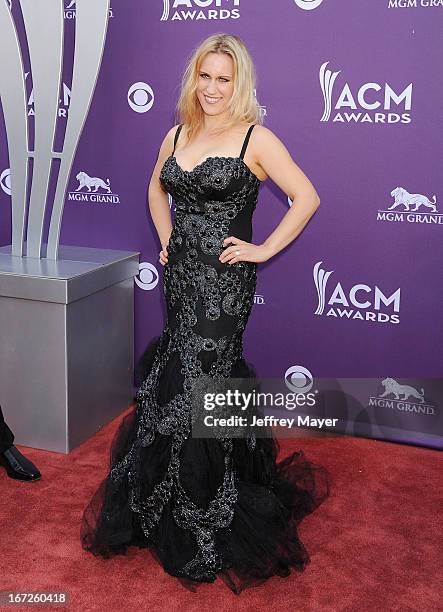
157,196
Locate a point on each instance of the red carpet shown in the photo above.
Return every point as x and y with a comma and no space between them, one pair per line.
375,544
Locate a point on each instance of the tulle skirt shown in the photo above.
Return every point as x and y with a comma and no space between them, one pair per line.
257,541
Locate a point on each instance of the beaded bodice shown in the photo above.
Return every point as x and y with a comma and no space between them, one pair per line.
223,190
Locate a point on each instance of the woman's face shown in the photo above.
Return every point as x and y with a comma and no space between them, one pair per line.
215,84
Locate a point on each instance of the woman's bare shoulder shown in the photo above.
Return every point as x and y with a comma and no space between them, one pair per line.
263,133
265,139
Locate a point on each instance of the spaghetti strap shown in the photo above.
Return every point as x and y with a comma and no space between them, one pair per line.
245,143
177,132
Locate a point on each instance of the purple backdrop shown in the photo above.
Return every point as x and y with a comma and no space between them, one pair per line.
353,89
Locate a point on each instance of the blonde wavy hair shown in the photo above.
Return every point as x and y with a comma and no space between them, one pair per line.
243,105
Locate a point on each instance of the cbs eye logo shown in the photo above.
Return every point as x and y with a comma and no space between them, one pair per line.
299,379
308,5
140,97
147,278
5,181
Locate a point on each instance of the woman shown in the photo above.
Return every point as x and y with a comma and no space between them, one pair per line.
209,506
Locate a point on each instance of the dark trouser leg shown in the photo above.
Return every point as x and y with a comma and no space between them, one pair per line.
6,435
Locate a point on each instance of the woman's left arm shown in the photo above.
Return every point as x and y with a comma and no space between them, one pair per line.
271,154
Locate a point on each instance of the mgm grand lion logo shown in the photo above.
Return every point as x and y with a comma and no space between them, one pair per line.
405,399
407,391
406,199
92,183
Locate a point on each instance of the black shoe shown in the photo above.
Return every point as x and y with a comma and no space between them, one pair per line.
18,466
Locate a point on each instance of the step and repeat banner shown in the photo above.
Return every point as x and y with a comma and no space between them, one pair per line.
353,89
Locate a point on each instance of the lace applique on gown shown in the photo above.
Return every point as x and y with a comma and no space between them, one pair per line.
206,507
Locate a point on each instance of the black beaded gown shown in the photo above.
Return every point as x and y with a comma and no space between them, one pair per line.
206,507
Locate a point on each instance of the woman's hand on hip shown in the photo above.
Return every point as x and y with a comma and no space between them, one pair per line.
243,251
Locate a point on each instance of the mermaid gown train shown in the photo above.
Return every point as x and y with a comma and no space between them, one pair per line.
204,506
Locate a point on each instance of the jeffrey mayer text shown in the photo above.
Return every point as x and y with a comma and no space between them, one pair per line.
267,421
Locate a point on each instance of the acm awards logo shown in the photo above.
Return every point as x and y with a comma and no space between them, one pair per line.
370,103
70,13
93,189
411,208
360,302
414,3
403,398
263,109
193,10
65,97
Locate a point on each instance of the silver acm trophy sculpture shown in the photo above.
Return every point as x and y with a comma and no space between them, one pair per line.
65,367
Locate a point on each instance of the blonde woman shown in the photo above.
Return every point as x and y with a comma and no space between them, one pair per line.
209,506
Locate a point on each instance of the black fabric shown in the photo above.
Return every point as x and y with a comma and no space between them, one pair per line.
177,134
206,507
